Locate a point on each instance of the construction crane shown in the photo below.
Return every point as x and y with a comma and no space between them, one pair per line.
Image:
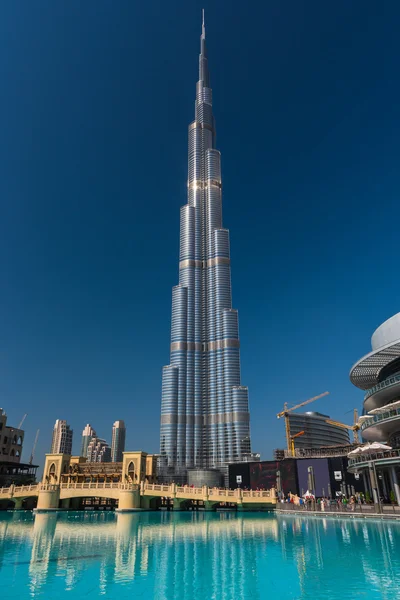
34,447
354,428
285,413
22,421
292,438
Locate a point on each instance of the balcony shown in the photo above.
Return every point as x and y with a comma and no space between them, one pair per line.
387,457
382,392
379,427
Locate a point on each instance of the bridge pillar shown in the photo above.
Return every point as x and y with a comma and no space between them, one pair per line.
129,499
145,502
18,503
208,505
66,503
48,498
177,504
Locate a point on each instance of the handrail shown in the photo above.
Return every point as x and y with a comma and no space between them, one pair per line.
363,458
383,384
389,414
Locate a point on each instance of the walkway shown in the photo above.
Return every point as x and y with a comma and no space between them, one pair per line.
367,511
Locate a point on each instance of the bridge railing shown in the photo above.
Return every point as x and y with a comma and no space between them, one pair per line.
217,492
26,488
157,487
256,494
92,485
19,489
48,487
187,490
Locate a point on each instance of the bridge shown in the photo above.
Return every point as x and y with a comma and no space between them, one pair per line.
137,496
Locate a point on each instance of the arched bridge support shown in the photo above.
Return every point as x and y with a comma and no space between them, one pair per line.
49,497
180,504
209,505
129,499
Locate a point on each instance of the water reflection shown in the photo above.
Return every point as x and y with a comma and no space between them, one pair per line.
167,555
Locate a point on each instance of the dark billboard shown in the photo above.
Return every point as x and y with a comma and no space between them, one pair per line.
263,475
341,479
239,476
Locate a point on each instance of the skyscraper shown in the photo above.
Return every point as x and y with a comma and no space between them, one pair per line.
118,441
98,451
87,434
204,409
62,438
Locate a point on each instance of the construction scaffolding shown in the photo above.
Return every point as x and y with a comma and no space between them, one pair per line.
324,452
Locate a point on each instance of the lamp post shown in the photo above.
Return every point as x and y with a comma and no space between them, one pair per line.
278,484
374,484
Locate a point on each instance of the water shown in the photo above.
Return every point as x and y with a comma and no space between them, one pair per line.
205,556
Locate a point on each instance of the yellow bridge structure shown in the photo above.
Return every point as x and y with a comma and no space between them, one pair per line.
52,496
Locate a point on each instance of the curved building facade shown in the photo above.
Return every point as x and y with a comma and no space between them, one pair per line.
204,410
378,374
317,432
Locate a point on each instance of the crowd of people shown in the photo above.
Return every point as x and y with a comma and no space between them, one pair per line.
311,503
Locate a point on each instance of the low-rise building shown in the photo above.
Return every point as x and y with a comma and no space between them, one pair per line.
12,470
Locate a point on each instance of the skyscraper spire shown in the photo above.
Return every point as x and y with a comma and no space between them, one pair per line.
203,63
204,410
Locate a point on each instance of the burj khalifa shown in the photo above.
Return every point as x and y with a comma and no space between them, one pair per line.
205,420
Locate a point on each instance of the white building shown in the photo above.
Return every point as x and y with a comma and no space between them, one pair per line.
62,438
98,451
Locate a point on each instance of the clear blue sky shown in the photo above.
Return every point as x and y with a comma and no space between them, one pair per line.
96,97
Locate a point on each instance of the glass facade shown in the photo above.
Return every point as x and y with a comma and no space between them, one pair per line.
118,441
317,432
204,411
87,435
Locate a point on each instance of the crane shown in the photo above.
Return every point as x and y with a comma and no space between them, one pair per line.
354,428
34,447
292,438
285,413
22,421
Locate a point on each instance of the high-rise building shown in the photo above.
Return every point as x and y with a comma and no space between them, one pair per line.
118,441
98,451
87,434
204,411
62,438
317,432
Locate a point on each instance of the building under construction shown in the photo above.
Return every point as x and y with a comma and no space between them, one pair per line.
318,431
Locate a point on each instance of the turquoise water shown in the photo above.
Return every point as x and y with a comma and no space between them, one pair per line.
203,556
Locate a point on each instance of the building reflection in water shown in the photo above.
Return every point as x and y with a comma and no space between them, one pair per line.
171,555
174,548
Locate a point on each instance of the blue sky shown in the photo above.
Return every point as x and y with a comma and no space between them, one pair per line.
96,99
